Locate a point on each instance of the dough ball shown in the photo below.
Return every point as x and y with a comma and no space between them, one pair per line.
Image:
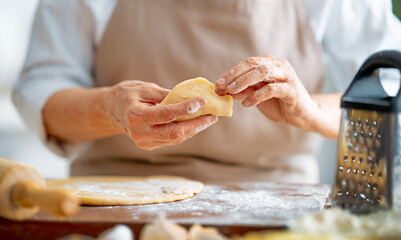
119,231
216,105
163,229
197,232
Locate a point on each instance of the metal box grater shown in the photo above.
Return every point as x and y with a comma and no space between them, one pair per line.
368,174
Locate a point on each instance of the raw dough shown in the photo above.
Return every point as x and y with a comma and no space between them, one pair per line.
113,190
197,232
216,105
162,229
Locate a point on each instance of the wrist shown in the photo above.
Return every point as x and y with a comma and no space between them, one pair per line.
106,109
326,120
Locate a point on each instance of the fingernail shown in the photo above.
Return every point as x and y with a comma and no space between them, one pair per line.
245,103
193,107
221,81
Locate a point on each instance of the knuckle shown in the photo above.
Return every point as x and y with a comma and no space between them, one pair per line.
234,71
167,114
259,96
252,61
239,81
283,61
264,69
176,134
176,141
133,117
272,87
192,107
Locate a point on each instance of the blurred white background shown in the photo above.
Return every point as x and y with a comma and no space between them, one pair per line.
15,141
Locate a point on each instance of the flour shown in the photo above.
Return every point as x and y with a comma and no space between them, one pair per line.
252,204
342,224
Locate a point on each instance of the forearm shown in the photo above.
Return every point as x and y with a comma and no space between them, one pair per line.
78,114
327,120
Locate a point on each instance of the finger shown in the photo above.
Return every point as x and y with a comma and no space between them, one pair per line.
244,94
174,133
249,91
233,73
278,70
153,93
283,91
250,78
161,114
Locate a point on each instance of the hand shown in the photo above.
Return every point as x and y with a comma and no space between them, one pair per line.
272,85
133,106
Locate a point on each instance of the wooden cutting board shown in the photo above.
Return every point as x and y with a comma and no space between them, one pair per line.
234,208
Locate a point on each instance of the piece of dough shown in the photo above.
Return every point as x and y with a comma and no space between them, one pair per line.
216,105
162,229
114,190
197,232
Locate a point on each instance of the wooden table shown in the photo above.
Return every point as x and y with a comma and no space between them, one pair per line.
233,208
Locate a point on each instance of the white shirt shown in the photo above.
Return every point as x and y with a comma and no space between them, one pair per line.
65,35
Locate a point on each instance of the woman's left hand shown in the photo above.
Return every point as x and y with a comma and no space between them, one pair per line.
272,85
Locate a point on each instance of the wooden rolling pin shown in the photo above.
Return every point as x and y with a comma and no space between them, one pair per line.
23,192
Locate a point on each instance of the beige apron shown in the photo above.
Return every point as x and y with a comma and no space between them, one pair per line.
168,41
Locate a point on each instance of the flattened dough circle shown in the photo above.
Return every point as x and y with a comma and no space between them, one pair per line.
216,105
119,190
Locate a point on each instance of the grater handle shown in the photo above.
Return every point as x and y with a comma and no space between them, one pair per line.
366,91
382,59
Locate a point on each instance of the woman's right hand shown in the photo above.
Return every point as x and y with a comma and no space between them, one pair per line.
133,106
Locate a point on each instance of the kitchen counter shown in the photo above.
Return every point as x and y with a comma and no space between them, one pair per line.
233,208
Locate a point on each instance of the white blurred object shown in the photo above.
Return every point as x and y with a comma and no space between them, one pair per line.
16,143
15,24
118,232
350,31
390,79
341,224
163,229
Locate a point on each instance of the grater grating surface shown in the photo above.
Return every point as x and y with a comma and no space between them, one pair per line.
361,165
368,174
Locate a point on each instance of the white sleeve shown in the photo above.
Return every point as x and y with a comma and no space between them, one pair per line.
355,29
60,55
